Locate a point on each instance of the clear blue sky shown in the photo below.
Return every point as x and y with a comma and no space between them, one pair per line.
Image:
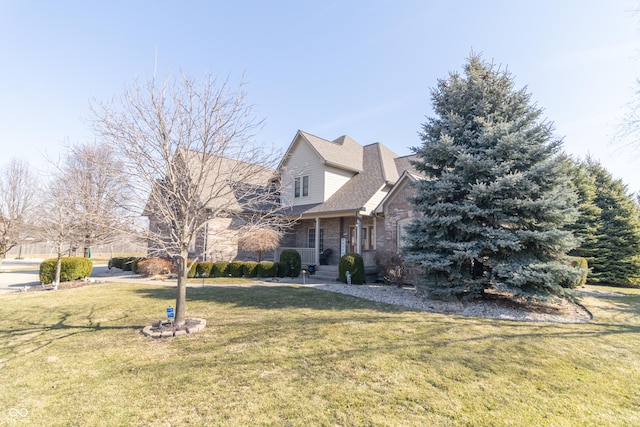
361,68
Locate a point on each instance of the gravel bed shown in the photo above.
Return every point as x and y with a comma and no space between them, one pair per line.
565,312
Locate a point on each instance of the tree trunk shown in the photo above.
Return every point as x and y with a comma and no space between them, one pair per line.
56,282
181,296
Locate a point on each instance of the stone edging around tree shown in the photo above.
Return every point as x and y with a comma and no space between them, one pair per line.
167,330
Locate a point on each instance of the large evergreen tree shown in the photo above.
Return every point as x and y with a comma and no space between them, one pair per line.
608,225
495,198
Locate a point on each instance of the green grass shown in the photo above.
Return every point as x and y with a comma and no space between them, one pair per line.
286,355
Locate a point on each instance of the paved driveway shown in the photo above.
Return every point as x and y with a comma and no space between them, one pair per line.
16,274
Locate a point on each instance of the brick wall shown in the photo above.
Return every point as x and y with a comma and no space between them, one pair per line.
398,209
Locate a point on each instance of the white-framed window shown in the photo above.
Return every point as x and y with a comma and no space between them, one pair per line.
311,238
301,186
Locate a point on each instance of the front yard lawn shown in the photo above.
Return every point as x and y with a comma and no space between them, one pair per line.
287,355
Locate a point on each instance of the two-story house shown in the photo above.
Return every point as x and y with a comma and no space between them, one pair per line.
347,197
342,196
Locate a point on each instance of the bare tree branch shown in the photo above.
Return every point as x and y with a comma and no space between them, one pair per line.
18,188
188,147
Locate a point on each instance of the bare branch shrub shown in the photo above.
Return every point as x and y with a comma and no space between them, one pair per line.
154,267
392,267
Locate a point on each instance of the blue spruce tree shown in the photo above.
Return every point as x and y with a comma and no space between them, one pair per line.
496,199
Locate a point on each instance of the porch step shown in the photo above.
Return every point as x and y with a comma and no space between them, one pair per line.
330,273
327,273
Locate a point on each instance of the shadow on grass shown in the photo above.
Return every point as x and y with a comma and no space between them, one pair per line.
271,297
30,336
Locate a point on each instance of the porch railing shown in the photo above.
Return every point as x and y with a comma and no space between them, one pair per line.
308,255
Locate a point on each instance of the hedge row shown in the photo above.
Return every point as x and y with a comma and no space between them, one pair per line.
289,265
238,269
71,268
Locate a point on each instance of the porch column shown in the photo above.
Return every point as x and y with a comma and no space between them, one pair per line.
358,233
317,243
374,237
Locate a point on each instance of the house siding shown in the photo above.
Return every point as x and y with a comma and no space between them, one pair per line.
376,199
303,161
334,179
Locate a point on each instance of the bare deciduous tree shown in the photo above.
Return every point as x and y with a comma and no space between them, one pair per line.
94,177
628,130
59,222
18,188
189,149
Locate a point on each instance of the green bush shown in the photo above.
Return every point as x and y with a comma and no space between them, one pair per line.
581,280
117,262
354,264
205,268
250,269
134,264
267,269
220,269
193,269
71,268
292,258
283,269
236,268
127,264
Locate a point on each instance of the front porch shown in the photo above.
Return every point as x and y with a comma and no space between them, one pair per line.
310,256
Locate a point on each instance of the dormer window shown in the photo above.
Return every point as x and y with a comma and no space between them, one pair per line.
301,186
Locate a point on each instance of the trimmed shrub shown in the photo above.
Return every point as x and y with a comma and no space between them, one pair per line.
283,269
220,269
71,268
354,264
292,258
117,262
236,268
127,263
134,264
250,269
192,270
581,280
204,267
155,266
267,269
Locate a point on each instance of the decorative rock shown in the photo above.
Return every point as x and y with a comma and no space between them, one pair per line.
564,312
165,330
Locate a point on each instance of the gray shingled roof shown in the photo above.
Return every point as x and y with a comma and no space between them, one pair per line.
375,166
404,164
343,152
224,176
